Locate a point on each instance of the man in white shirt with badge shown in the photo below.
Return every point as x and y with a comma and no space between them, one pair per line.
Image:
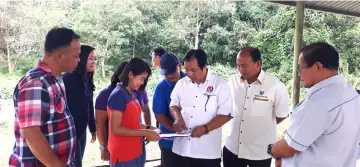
324,129
261,101
200,104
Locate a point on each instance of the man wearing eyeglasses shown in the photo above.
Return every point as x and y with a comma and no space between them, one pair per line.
261,101
324,129
200,104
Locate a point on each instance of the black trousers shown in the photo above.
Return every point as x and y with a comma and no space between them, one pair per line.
181,161
80,150
168,158
231,160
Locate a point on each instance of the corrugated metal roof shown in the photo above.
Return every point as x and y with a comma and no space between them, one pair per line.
351,8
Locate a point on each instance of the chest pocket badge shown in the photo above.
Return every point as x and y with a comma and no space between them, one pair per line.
59,103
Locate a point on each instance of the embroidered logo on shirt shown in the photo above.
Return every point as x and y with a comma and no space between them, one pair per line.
261,92
209,89
58,103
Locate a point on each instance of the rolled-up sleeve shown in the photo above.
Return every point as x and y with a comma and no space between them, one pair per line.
175,94
225,101
281,102
307,123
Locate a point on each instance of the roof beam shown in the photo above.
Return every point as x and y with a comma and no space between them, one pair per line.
324,7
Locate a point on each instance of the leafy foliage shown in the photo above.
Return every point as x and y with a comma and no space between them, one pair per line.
120,30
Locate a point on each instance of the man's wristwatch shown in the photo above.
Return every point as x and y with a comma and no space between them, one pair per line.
102,148
269,151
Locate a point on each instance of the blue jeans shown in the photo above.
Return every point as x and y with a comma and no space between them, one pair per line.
137,162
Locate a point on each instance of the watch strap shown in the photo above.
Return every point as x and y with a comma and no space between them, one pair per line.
102,148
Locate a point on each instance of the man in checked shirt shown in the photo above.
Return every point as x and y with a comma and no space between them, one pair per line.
44,129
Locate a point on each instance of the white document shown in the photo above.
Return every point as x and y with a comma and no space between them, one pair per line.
170,135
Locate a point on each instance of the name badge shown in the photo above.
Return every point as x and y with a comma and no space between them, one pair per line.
261,99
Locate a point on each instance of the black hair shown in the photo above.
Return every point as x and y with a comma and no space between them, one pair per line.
159,51
81,67
116,75
254,53
323,53
199,55
137,66
59,37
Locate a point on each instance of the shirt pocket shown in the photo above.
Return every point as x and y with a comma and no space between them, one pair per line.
211,104
59,103
261,107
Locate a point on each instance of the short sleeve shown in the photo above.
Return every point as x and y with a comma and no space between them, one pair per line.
225,101
145,97
281,102
101,101
175,95
159,104
32,102
117,101
306,124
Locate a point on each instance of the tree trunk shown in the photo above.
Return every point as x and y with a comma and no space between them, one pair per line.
134,44
103,60
197,35
198,25
103,67
10,68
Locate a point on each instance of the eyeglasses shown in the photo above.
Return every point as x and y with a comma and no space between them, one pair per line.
301,68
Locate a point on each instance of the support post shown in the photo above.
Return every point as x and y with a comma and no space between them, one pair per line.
298,40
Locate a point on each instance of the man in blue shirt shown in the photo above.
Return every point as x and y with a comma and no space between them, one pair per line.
171,68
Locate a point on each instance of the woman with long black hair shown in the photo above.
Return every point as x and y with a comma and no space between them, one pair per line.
125,143
80,86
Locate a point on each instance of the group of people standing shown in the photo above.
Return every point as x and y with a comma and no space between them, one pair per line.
53,111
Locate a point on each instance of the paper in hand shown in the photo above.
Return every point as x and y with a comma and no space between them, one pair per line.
170,135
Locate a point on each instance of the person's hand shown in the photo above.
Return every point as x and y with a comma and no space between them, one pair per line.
93,137
278,163
105,156
179,125
198,131
152,136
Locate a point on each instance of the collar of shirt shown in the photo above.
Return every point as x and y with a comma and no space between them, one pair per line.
326,82
46,69
209,77
260,78
182,74
130,94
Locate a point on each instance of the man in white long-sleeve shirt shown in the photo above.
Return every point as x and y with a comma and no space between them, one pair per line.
324,129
